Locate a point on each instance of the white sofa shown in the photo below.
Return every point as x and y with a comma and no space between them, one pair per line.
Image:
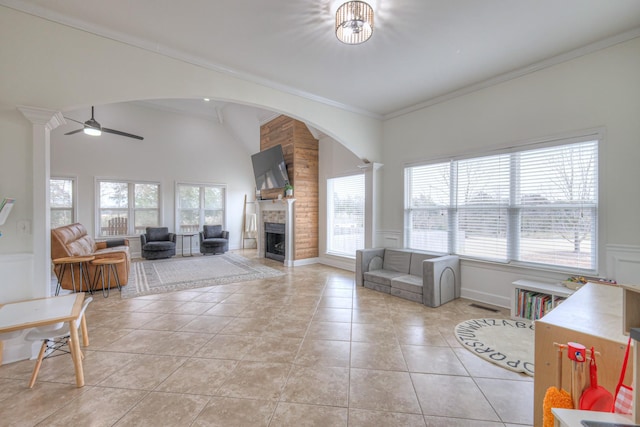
417,276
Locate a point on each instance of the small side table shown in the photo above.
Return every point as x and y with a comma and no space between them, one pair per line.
190,236
110,264
62,263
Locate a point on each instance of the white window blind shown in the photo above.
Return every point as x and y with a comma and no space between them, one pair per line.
557,202
536,206
429,203
345,216
482,202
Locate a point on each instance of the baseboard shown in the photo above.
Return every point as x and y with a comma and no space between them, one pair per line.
348,264
486,298
306,261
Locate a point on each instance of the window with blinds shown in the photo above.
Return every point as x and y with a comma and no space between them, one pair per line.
535,206
62,201
126,207
345,215
199,205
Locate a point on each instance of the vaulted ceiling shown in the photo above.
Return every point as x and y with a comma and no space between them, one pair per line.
421,50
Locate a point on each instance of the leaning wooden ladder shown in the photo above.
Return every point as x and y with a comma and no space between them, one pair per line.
244,222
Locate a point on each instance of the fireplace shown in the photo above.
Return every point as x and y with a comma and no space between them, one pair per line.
278,213
274,237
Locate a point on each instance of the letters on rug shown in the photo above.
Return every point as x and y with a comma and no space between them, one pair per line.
507,343
175,274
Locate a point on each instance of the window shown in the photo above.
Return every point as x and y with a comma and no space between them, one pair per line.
127,208
199,205
345,215
536,206
62,196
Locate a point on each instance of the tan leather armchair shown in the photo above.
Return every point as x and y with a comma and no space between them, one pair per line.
73,240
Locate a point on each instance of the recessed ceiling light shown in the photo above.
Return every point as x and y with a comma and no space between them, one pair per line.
206,99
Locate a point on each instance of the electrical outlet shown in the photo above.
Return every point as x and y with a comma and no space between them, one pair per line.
24,227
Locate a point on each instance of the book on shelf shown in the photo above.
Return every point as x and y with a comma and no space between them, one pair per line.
533,305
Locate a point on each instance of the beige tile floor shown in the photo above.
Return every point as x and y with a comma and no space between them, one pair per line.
305,349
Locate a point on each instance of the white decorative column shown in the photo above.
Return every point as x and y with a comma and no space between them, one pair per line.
372,202
286,207
44,121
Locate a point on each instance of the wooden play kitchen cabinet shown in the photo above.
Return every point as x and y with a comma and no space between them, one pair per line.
593,316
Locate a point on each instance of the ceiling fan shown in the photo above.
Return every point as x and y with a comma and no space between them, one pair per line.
92,127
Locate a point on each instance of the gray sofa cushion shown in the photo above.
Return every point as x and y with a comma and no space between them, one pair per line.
416,263
408,283
212,231
382,277
157,234
159,246
376,263
411,296
395,260
377,287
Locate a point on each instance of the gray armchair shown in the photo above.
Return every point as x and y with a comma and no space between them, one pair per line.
157,243
214,240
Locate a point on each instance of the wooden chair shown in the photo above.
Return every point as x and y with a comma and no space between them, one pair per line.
117,227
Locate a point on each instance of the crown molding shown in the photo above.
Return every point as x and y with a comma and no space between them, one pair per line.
43,13
537,66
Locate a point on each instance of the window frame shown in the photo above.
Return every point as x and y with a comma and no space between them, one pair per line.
330,206
74,198
513,209
130,209
201,208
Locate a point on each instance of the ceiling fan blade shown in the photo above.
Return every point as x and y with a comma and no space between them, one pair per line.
117,132
74,120
74,131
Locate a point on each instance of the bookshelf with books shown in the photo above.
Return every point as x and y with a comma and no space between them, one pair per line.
532,299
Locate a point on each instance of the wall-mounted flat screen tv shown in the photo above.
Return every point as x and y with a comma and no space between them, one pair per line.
270,169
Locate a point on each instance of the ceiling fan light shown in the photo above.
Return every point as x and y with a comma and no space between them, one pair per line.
354,22
92,127
92,131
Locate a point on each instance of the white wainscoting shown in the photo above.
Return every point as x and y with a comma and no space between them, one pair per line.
16,277
623,263
16,283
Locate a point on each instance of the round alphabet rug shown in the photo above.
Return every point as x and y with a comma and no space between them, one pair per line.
507,343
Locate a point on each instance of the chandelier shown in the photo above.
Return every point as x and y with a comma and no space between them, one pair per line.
354,22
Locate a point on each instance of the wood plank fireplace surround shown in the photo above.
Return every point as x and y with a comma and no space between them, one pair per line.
299,214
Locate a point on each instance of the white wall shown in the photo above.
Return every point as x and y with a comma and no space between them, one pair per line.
45,65
598,90
176,148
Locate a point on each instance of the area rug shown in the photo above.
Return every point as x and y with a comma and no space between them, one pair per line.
175,274
507,343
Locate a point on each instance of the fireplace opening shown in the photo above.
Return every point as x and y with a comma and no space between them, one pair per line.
274,237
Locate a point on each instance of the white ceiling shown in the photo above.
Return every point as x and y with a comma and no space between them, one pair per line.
421,50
